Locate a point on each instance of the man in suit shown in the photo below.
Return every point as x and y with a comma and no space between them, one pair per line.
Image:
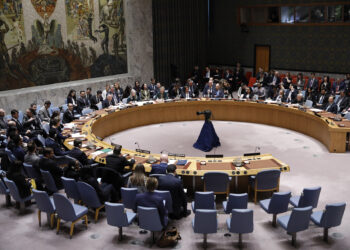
88,94
219,93
174,185
331,106
68,115
48,164
162,95
53,144
118,162
44,114
152,87
108,101
19,125
31,122
95,99
82,102
3,123
209,89
152,199
161,167
313,83
342,102
261,76
338,86
300,99
322,99
291,94
79,155
273,84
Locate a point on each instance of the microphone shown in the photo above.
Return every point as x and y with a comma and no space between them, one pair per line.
164,150
214,154
138,146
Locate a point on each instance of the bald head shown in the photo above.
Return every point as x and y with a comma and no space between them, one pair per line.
2,113
164,158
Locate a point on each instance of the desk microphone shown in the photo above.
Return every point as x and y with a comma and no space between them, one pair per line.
138,145
164,150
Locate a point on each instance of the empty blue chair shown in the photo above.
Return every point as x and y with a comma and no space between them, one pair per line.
49,181
309,197
45,204
218,182
347,116
89,197
69,212
128,197
295,222
309,103
241,222
330,217
203,200
64,107
15,194
31,172
86,111
117,217
5,191
42,140
205,222
264,181
166,196
276,205
235,201
99,105
46,127
20,116
71,189
149,220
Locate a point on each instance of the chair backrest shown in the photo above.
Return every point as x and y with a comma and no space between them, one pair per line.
167,197
310,197
3,189
88,195
242,221
13,189
299,219
267,179
347,116
71,189
10,155
99,105
42,140
46,127
20,116
205,221
49,181
125,100
333,215
108,175
128,197
308,103
204,200
156,175
149,218
64,207
216,181
64,107
31,172
279,202
43,201
86,111
115,214
237,201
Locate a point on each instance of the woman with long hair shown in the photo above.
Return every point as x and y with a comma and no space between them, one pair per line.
138,179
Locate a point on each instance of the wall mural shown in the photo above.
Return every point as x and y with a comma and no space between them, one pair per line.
95,44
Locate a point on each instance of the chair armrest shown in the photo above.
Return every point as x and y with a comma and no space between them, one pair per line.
94,165
127,175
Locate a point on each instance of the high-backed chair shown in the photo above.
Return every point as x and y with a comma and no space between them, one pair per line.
31,172
45,204
241,222
42,140
68,211
89,197
86,111
308,103
276,205
149,220
71,189
309,197
117,217
330,217
295,222
5,191
166,196
49,181
235,201
264,181
10,155
205,222
46,127
218,182
203,200
15,194
128,197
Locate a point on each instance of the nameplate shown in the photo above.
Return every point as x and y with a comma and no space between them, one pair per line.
176,155
143,151
147,103
169,100
251,154
214,156
116,145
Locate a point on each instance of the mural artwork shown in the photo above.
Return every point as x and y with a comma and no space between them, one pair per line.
95,45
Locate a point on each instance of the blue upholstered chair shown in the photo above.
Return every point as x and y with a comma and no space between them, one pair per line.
218,182
46,127
71,189
10,156
128,197
205,222
89,197
149,220
68,211
15,194
235,201
203,200
309,197
295,222
264,181
156,175
31,172
241,222
5,191
86,111
308,104
166,196
117,217
42,140
49,181
276,205
330,217
45,204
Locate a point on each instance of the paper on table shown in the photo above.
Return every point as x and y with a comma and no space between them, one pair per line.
316,110
172,161
78,135
96,154
69,125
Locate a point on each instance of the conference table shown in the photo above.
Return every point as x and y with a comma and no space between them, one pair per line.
105,122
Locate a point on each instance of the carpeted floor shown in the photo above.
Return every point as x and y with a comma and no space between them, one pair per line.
311,165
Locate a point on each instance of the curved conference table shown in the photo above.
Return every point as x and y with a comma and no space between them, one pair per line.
106,122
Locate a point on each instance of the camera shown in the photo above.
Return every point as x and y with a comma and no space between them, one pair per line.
206,113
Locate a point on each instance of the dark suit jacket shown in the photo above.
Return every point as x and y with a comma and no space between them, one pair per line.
175,187
106,104
68,116
332,108
207,88
49,142
70,100
51,166
3,124
343,103
20,181
326,86
19,153
341,86
151,199
293,95
313,84
118,163
325,100
94,100
19,126
79,155
159,168
160,96
82,103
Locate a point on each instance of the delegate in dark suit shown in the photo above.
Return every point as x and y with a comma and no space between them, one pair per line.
47,164
342,102
118,163
209,91
82,103
51,143
68,116
332,108
106,103
94,100
79,155
313,84
159,168
151,199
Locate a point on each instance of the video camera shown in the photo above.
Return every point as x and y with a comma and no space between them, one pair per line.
206,113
